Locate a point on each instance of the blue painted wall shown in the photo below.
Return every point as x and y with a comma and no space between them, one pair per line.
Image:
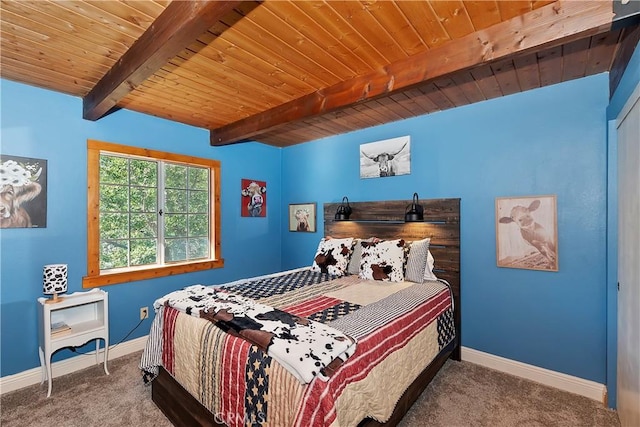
546,141
48,125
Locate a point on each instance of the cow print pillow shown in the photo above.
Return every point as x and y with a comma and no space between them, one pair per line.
383,260
333,256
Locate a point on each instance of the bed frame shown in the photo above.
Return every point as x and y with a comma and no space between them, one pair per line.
384,219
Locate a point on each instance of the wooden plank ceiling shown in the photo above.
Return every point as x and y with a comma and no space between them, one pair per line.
285,72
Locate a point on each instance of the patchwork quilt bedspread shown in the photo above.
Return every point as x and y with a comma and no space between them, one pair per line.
399,329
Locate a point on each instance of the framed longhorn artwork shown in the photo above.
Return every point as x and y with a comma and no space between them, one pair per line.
388,157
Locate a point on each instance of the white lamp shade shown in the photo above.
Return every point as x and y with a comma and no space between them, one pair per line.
54,278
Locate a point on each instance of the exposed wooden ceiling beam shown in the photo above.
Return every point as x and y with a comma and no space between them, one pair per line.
176,27
552,25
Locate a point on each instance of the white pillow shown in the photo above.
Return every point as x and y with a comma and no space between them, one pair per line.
428,272
383,260
417,260
333,256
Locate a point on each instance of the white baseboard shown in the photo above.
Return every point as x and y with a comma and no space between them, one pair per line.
587,388
67,366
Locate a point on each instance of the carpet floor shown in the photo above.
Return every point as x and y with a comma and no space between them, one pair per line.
461,394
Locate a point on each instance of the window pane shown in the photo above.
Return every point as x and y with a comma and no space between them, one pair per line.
175,250
198,202
199,248
113,198
175,225
143,173
198,226
143,199
113,170
176,201
143,252
198,178
113,254
175,176
114,226
144,225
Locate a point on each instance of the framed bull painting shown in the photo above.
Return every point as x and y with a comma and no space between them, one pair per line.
389,157
254,198
302,217
526,232
23,192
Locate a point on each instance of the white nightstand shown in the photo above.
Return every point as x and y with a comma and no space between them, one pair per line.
87,313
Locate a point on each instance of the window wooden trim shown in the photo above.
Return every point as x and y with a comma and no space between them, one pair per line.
94,276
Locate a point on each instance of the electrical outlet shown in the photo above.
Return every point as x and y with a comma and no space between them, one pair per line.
144,313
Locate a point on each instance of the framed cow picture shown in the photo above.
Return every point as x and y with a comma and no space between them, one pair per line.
254,198
302,217
389,157
526,232
23,192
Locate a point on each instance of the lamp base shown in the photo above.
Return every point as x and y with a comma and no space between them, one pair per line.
56,299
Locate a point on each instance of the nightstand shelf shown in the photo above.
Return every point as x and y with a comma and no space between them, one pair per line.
87,315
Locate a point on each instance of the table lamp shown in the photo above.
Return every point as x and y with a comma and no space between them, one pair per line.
54,277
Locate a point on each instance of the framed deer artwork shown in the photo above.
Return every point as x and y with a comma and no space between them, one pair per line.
388,157
23,192
526,232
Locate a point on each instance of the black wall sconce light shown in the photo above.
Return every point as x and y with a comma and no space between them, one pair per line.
414,212
344,210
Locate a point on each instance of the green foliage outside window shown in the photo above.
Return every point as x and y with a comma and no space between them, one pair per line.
134,230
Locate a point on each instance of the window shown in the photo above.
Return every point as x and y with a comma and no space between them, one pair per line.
150,214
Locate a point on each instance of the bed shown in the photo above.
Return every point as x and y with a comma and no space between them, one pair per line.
206,374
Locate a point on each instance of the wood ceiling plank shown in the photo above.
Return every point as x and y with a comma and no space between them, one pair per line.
294,42
454,18
149,8
59,31
126,15
233,84
16,73
242,73
36,72
487,82
550,66
601,52
20,36
99,12
407,103
178,25
574,59
278,59
465,81
512,8
256,67
369,28
335,24
373,114
393,108
482,13
425,21
193,75
527,71
78,23
48,59
448,87
552,25
315,33
398,26
422,100
629,39
506,76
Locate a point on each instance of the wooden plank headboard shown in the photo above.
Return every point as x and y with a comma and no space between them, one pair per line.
385,220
